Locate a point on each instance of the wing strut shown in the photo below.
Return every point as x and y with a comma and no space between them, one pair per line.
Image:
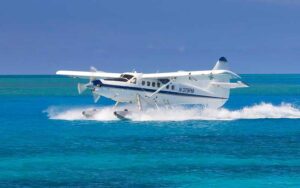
139,102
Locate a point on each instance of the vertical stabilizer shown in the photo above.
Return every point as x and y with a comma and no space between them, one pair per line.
222,64
224,92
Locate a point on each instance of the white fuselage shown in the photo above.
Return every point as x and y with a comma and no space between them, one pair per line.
176,93
209,88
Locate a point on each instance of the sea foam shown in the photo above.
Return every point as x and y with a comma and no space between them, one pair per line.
258,111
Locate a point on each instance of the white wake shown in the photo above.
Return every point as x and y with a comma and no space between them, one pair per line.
259,111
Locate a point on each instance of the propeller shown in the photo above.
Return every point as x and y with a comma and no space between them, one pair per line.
93,69
90,85
82,87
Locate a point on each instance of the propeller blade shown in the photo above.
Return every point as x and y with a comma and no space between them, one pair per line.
96,97
93,69
81,87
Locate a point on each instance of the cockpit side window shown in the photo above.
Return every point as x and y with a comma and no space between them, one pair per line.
133,81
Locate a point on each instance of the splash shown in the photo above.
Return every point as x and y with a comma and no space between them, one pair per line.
259,111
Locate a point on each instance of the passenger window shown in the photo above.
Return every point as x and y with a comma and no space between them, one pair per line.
173,87
167,87
148,83
143,82
158,84
153,84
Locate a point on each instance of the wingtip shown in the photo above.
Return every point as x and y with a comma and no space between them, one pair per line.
58,72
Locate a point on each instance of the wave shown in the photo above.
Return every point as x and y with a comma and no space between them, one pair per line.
259,111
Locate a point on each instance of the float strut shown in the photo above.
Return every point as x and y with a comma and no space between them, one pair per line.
116,105
139,102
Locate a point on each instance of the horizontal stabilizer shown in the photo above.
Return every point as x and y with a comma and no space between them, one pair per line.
229,85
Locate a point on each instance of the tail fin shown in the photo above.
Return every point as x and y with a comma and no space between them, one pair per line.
222,64
223,92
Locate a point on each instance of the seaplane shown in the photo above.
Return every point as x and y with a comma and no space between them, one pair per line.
208,88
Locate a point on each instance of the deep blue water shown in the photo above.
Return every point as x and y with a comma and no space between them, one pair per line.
36,151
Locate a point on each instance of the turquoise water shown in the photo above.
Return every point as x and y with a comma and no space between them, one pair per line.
253,142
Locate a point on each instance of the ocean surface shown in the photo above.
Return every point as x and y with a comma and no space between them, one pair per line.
254,141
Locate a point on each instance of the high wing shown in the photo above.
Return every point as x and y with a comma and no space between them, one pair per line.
193,74
169,75
88,75
220,70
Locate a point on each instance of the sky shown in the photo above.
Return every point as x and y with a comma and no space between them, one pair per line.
256,36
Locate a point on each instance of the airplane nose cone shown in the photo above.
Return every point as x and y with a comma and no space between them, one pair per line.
97,83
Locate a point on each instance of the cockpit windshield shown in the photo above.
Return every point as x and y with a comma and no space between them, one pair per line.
126,76
123,78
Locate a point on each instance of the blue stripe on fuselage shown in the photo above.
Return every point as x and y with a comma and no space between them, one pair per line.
164,92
